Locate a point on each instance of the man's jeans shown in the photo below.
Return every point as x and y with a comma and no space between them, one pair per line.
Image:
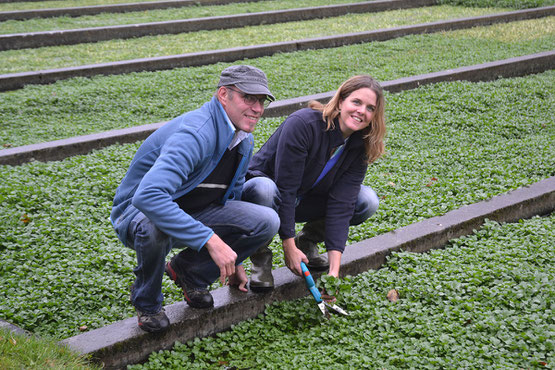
241,225
263,191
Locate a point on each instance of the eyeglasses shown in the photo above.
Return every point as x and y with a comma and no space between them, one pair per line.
251,99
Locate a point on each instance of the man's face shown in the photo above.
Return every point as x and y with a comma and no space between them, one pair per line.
243,115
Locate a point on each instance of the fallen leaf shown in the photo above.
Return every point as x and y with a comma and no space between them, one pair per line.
391,183
83,327
12,339
25,219
431,182
393,295
7,145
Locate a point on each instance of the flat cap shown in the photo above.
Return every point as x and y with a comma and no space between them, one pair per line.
248,79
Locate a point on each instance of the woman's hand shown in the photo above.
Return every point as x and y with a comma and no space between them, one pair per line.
293,256
334,258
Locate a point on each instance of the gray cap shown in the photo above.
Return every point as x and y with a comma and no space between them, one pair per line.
248,79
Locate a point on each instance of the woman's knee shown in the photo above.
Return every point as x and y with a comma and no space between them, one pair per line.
367,204
262,191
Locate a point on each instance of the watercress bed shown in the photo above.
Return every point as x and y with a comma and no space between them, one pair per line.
485,301
113,19
12,61
82,106
199,10
448,145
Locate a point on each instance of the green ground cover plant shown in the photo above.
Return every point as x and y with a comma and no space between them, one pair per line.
518,4
26,352
81,106
63,269
12,61
114,19
485,301
28,5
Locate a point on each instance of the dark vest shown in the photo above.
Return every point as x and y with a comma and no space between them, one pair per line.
212,189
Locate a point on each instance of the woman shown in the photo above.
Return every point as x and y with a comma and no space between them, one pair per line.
286,174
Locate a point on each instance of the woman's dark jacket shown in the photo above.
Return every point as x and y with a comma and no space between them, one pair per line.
295,155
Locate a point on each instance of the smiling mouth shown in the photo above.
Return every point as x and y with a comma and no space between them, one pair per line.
359,120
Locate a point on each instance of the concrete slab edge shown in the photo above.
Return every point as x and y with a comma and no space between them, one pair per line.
123,343
18,80
109,8
13,328
86,35
60,149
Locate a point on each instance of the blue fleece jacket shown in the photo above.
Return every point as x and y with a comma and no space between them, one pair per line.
172,161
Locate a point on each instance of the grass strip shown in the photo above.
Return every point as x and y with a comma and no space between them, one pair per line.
485,301
30,5
115,19
517,4
63,269
81,106
24,60
22,352
262,5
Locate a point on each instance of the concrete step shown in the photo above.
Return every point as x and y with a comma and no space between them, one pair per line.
60,149
77,36
123,343
18,80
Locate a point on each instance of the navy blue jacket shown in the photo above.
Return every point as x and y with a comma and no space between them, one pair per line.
295,155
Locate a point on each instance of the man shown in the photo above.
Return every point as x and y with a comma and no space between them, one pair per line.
183,190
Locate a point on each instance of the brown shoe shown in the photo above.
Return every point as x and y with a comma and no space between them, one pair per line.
154,322
195,297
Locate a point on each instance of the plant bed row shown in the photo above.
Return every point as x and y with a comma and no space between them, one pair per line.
106,20
90,35
18,80
82,106
485,301
448,145
168,45
60,149
111,8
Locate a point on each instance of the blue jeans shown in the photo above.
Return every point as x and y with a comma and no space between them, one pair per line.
263,191
243,226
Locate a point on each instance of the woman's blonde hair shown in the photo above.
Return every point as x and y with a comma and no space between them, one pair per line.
374,134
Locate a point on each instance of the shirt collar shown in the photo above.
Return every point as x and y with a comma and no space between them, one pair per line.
239,134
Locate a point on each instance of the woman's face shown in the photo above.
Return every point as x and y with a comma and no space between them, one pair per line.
357,111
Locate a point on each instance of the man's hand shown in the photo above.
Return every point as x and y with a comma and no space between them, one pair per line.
293,256
239,279
222,255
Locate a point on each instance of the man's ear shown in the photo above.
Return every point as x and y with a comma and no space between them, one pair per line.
223,95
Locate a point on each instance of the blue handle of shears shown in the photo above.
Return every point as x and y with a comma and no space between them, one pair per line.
310,283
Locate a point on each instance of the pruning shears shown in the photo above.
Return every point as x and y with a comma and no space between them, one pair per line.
322,304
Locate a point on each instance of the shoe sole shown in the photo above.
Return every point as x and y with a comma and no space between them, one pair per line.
261,289
150,329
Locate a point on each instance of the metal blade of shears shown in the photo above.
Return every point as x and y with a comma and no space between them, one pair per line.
337,309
